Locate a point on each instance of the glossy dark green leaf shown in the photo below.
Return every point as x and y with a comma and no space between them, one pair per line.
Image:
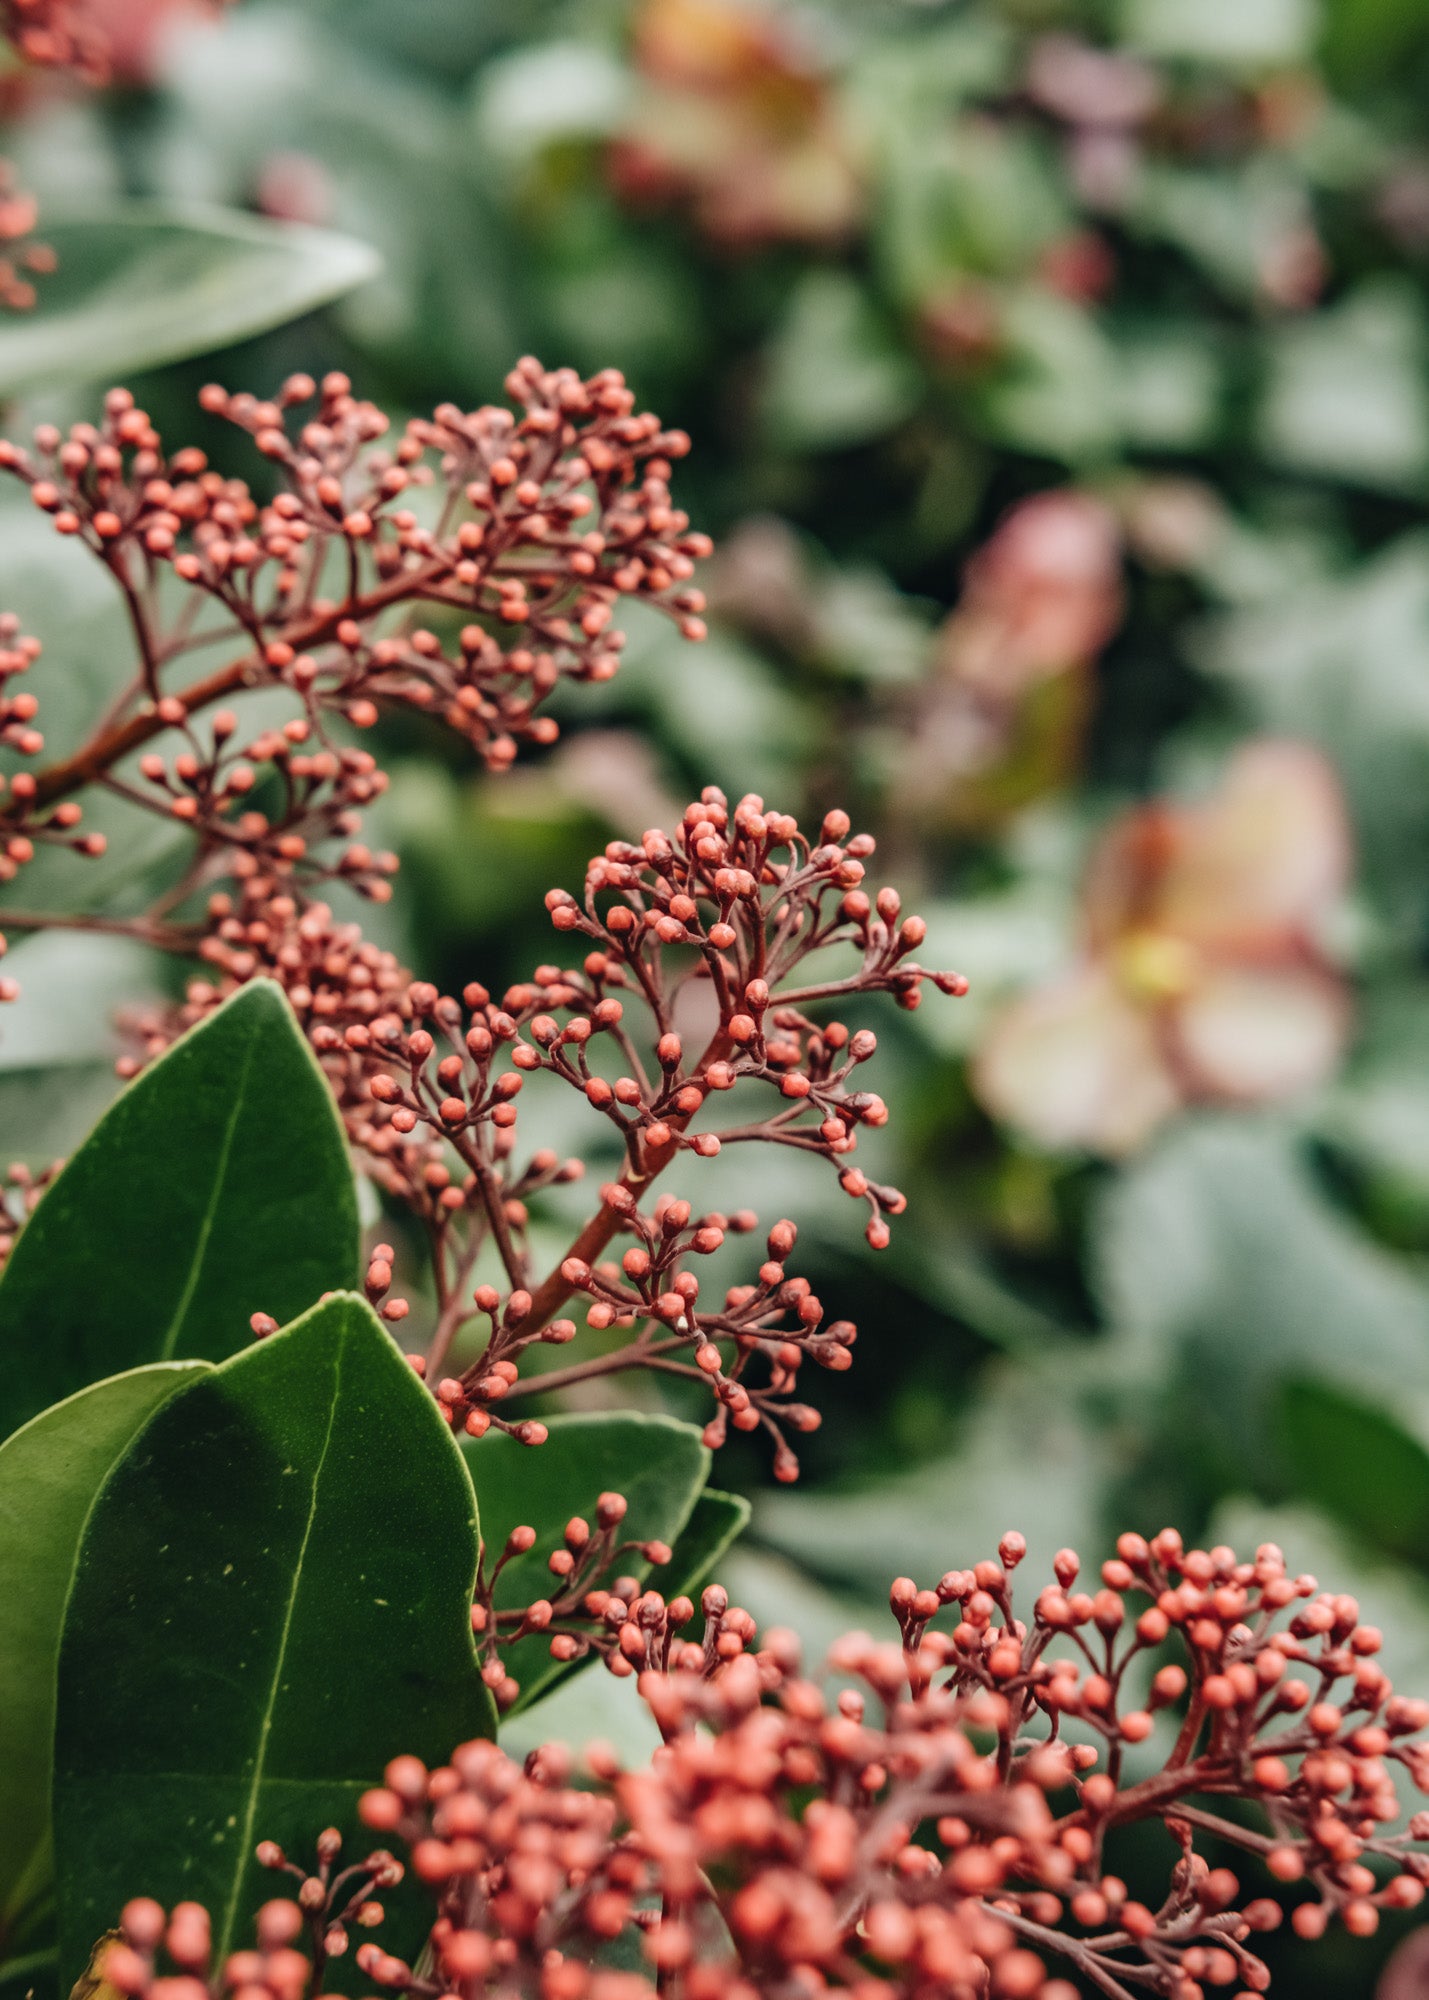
1357,1464
717,1522
140,284
217,1186
272,1598
660,1466
50,1474
29,1975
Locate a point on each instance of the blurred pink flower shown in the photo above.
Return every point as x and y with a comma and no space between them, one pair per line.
736,117
1201,979
1041,599
1042,595
294,187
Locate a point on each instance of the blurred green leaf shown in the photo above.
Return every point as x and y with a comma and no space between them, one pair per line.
142,284
1170,385
272,1599
1344,659
51,1471
30,1975
658,1464
597,1707
1230,32
763,729
959,198
776,1590
1220,1262
59,1040
382,150
1377,1114
836,375
1231,224
1347,394
446,36
1355,1463
1027,1455
218,1185
1057,391
532,97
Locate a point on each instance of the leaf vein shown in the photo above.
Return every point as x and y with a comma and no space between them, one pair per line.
171,1338
223,1943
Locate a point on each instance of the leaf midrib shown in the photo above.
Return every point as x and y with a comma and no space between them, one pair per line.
223,1941
186,1297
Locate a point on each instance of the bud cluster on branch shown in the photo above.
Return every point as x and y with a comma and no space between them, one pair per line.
695,1016
629,1627
931,1818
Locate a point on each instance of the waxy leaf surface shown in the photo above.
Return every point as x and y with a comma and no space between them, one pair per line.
218,1185
660,1466
142,283
714,1526
272,1598
50,1474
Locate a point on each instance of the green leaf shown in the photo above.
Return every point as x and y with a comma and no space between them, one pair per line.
140,284
595,1707
1359,1465
50,1474
1220,1261
1343,658
837,376
1230,32
718,1520
660,1466
1057,391
29,1976
272,1599
217,1186
58,1041
390,147
1345,395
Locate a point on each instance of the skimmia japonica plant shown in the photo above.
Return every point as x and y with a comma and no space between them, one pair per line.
277,1545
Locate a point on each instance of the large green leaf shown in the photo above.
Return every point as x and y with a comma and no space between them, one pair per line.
50,1473
29,1976
217,1186
1345,395
139,284
272,1598
1220,1261
1358,1464
660,1466
717,1522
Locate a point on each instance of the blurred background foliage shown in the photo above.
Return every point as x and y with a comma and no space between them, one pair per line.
1058,376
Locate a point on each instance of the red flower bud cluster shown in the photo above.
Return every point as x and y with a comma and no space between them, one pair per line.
629,1627
709,927
547,517
690,993
708,935
936,1820
24,823
328,1901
